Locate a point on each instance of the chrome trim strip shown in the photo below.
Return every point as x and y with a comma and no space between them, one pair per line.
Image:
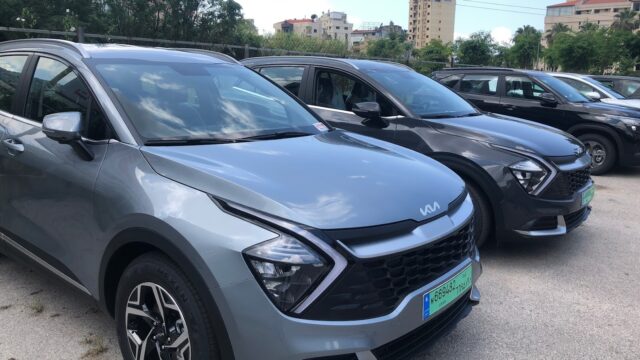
581,163
422,235
559,231
7,240
352,113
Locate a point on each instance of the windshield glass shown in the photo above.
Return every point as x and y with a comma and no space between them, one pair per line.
568,92
202,101
423,96
605,89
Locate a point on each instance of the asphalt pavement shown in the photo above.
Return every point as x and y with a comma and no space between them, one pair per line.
567,298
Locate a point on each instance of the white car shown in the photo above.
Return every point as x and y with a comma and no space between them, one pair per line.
595,90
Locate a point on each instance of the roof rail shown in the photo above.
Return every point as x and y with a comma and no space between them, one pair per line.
476,68
326,58
64,43
214,54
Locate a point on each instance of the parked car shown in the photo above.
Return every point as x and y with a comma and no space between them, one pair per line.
204,207
525,178
629,86
595,90
610,132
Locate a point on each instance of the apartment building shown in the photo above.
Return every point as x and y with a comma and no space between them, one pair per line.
431,19
577,12
361,37
330,25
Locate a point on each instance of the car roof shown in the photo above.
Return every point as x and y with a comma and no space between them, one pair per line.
358,64
114,51
613,77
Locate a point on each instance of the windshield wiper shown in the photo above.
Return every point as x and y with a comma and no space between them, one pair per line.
194,141
276,135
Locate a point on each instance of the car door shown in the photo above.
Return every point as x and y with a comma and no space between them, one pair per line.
289,77
332,95
46,188
482,90
522,99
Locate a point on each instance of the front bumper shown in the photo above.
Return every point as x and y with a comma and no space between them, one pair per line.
262,332
526,215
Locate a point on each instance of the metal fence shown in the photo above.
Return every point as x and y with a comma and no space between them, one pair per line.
237,51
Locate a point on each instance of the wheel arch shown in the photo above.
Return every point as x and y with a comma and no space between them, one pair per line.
471,171
605,131
131,242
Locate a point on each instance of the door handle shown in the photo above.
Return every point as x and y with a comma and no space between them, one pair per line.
14,147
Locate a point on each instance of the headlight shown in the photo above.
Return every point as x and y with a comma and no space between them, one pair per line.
287,269
530,175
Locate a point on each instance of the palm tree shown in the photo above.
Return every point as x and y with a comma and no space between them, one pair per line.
554,31
626,20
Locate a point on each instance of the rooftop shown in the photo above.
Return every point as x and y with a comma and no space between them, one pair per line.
587,2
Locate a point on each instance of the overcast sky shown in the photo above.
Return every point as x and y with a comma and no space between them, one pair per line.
471,15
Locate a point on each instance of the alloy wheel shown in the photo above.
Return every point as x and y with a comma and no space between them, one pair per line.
156,328
597,151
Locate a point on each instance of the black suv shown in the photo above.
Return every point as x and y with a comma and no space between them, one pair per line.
524,178
610,132
628,86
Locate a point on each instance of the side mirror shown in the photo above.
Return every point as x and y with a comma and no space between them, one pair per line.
548,99
371,113
593,95
63,127
66,128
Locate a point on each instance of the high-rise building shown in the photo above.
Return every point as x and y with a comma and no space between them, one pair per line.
431,20
578,12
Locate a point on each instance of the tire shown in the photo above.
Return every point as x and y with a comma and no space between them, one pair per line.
603,152
188,328
482,219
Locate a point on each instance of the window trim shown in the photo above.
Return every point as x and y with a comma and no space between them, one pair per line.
534,81
35,57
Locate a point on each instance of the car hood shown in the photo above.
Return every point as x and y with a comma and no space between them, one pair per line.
512,133
333,180
633,103
605,108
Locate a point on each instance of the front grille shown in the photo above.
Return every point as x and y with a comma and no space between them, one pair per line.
374,287
566,184
409,345
574,220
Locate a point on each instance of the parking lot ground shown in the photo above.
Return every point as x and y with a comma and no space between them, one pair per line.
568,298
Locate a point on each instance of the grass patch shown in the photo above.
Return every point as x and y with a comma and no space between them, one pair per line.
96,344
36,308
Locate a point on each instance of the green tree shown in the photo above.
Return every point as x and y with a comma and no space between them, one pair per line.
554,31
626,20
477,50
435,55
589,26
526,47
295,42
393,47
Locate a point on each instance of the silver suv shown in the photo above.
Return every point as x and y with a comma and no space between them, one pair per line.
216,217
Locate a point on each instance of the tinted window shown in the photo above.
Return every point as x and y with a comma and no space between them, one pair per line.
341,92
55,88
629,87
203,100
289,77
480,84
10,70
522,87
579,85
451,81
423,96
566,91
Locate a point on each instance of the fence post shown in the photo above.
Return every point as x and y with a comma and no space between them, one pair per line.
80,34
246,51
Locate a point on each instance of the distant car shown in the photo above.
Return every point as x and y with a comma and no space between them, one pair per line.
610,132
524,178
629,86
596,90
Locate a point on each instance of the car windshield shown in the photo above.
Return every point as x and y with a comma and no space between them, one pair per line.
423,96
605,89
568,92
174,101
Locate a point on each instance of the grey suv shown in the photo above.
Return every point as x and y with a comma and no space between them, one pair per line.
215,216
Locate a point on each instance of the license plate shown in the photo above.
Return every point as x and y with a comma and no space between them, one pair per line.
438,298
587,196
